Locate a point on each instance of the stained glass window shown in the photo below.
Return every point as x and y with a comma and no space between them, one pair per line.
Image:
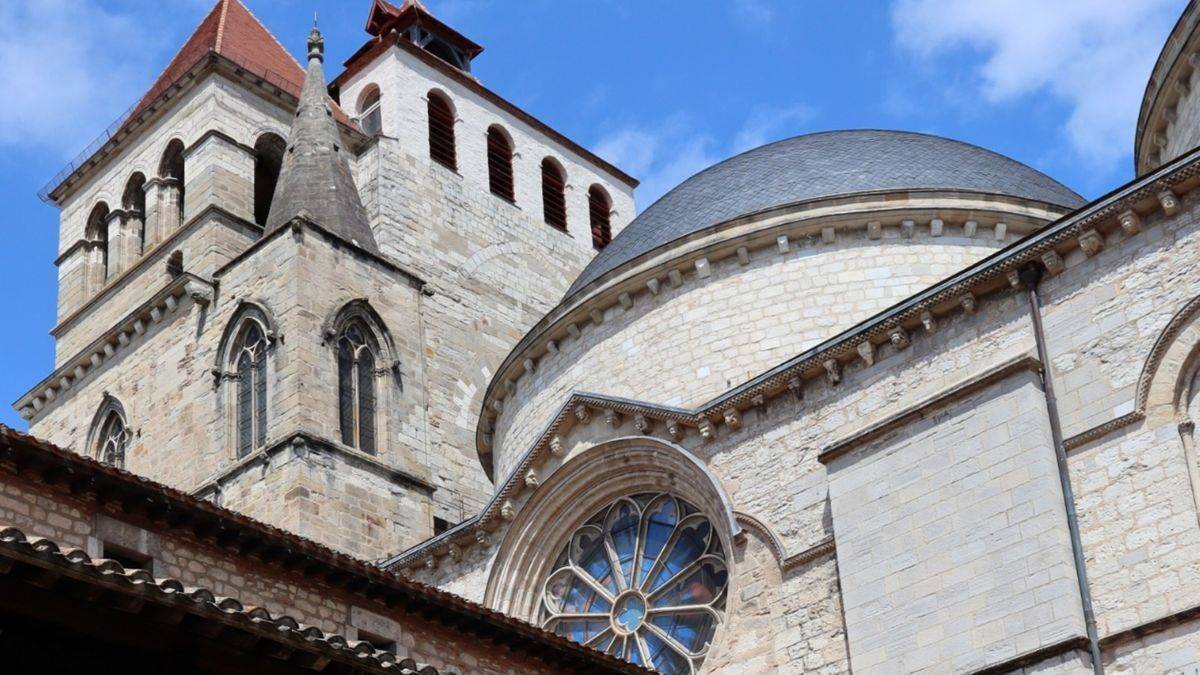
251,375
645,580
356,388
114,439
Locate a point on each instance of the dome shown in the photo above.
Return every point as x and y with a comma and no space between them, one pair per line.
820,165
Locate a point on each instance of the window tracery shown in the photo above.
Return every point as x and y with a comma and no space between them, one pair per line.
356,359
112,441
250,372
644,579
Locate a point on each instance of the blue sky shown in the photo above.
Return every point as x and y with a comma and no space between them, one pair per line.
661,88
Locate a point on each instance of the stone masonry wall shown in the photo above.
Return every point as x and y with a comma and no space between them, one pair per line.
405,82
688,344
1183,135
300,281
493,275
952,538
214,104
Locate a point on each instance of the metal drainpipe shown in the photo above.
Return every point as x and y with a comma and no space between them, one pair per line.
1030,275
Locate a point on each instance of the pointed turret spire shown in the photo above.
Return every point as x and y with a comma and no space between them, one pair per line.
315,180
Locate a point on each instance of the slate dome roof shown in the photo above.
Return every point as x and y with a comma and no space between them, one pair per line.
819,165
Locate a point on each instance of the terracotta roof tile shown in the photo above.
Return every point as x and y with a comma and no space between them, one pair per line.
29,457
16,545
232,31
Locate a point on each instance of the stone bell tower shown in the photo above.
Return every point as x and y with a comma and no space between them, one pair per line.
290,302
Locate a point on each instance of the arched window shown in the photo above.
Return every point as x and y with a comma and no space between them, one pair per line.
114,441
441,131
370,116
599,207
356,359
500,168
96,233
110,433
554,198
645,580
171,171
134,203
268,160
250,372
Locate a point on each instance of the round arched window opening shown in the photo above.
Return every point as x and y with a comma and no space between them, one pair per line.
644,580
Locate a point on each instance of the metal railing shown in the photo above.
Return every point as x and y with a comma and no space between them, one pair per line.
265,74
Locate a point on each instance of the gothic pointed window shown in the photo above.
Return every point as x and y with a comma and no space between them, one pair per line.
112,436
370,115
250,372
441,131
356,387
599,207
500,163
554,197
645,580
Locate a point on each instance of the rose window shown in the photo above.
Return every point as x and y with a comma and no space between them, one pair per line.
643,580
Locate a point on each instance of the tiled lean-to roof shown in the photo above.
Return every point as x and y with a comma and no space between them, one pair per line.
821,165
184,515
86,575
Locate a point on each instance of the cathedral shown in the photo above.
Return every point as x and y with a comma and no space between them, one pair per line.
382,374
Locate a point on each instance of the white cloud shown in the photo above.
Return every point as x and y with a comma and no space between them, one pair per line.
767,124
662,156
1093,55
68,68
754,12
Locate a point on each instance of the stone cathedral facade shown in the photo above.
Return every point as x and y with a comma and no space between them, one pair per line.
855,401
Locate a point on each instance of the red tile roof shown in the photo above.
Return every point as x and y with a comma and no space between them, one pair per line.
32,459
385,16
232,31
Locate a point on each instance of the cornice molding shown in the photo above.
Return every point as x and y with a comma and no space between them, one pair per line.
1120,214
296,227
300,443
1160,101
930,405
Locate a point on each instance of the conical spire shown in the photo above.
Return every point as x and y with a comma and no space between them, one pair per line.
315,180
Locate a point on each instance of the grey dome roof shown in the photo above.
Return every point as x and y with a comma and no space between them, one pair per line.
822,165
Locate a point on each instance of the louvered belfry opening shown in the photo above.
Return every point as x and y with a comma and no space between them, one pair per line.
554,201
500,170
599,208
441,131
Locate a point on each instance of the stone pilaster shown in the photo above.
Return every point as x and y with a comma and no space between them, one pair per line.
220,172
124,241
163,215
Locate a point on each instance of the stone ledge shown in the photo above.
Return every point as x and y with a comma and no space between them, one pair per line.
1036,656
299,224
87,360
1150,627
298,442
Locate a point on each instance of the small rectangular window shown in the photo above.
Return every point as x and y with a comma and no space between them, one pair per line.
378,641
440,525
128,558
